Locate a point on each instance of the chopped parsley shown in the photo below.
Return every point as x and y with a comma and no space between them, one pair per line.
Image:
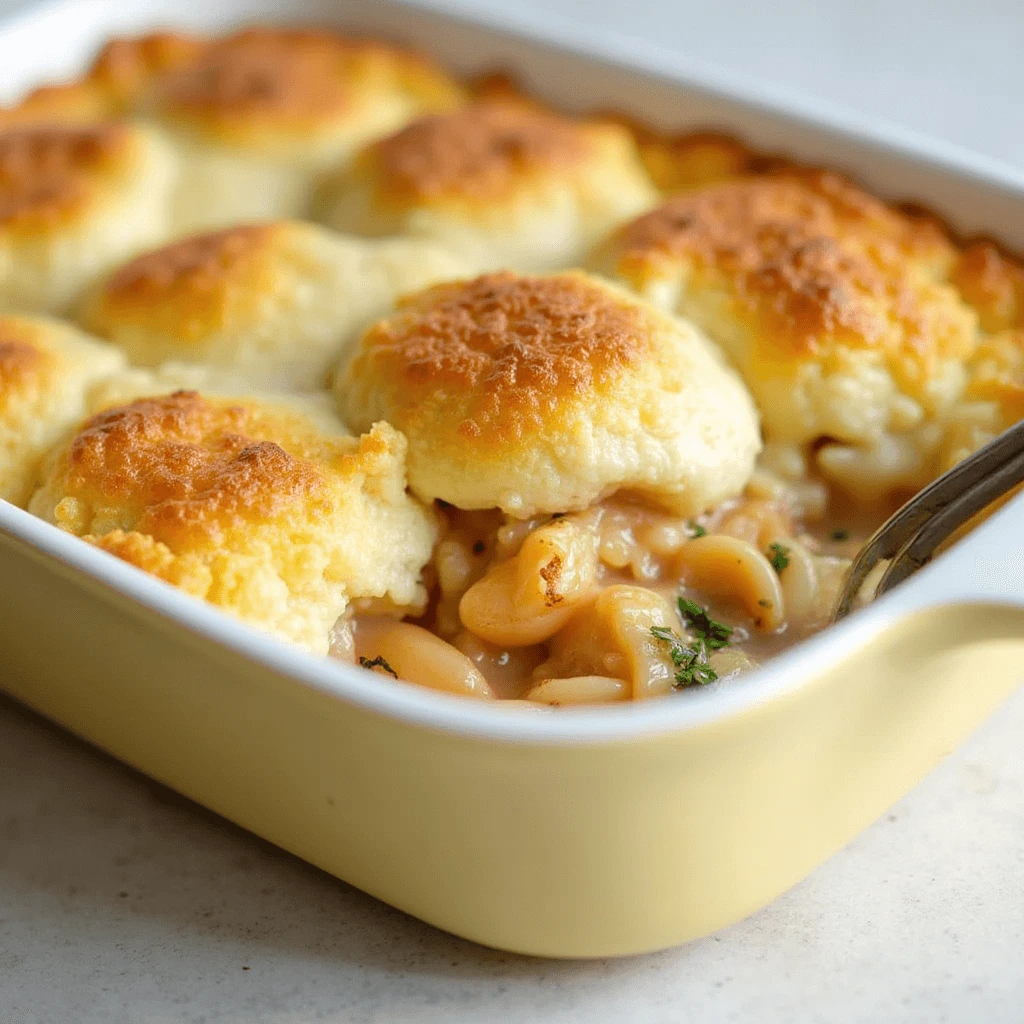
690,661
840,535
375,663
778,555
710,632
696,530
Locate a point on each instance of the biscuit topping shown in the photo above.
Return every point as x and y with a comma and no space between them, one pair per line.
43,170
520,343
808,258
261,73
19,363
186,463
200,260
126,67
478,151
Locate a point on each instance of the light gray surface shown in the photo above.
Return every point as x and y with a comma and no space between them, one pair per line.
120,902
124,903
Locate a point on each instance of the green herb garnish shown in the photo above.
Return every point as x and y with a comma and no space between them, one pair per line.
778,555
712,633
378,662
690,661
696,530
840,535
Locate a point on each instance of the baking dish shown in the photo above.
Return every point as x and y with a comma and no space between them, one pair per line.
599,832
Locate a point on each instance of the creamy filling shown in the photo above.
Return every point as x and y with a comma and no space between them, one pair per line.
621,601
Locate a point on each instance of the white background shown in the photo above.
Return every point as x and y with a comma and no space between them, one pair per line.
121,902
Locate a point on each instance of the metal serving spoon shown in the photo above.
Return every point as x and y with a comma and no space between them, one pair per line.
911,536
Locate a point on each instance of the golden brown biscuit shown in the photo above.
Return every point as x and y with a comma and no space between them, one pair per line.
992,282
275,303
127,69
693,160
544,394
74,201
46,369
254,116
258,114
832,306
507,184
248,504
78,102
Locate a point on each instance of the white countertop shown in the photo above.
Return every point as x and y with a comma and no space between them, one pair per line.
121,902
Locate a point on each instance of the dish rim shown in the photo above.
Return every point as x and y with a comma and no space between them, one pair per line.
498,720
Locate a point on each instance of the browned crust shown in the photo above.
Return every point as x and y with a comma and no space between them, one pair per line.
21,364
187,288
286,78
480,152
77,102
272,73
705,156
810,254
992,282
293,79
126,68
195,264
911,233
551,574
187,467
692,160
47,173
511,348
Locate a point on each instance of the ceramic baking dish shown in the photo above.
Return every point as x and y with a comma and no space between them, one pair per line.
573,833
